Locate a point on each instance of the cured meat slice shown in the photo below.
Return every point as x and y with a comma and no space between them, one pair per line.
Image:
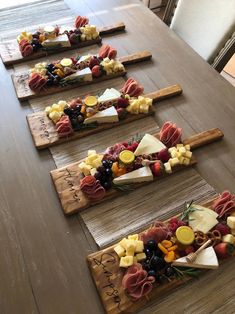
170,134
64,127
225,204
36,81
132,88
92,188
81,21
106,51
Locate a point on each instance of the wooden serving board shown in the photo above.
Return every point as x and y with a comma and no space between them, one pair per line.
107,276
11,54
67,179
23,91
45,135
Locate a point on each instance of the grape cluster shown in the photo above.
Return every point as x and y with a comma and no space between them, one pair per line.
75,116
35,42
155,264
53,79
104,174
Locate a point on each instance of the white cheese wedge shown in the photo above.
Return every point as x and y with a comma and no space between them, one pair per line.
105,116
143,174
61,40
84,58
80,75
109,94
149,145
202,219
205,259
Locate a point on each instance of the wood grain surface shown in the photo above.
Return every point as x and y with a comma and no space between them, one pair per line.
67,179
107,276
43,268
23,91
10,53
44,132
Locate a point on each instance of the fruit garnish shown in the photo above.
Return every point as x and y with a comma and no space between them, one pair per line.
156,168
224,250
185,235
90,101
66,62
96,71
126,157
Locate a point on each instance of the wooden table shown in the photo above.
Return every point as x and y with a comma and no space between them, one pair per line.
42,264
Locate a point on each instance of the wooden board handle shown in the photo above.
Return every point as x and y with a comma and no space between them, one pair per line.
204,138
165,93
112,28
136,57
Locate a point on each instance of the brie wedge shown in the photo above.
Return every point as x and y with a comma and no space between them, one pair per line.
109,94
104,116
61,40
202,218
143,174
149,145
80,75
205,259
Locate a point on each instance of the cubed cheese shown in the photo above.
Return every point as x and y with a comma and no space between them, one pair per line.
139,246
167,167
186,161
228,238
231,222
126,261
188,154
140,257
187,147
174,161
123,243
133,237
91,152
178,146
119,250
135,260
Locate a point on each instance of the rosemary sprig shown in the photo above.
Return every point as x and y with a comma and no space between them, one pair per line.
86,126
124,188
181,272
137,138
187,210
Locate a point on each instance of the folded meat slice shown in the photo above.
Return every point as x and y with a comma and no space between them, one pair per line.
170,134
225,204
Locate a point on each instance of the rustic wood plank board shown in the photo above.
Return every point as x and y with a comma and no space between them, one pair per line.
107,276
45,135
67,179
23,91
10,53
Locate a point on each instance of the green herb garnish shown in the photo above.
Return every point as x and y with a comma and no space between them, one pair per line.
181,272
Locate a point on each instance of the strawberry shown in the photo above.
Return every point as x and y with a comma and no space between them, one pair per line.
94,61
156,168
122,102
222,228
125,144
96,71
224,250
132,147
164,155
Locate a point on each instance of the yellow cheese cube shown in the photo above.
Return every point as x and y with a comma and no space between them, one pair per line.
126,261
181,160
97,162
90,159
174,161
133,237
119,250
182,150
91,152
130,249
178,146
139,246
188,154
48,110
123,243
187,147
144,108
228,238
175,154
167,167
81,166
135,260
87,170
172,149
186,161
140,257
55,107
231,222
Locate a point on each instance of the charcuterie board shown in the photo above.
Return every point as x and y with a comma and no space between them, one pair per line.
44,132
67,179
10,52
161,273
23,91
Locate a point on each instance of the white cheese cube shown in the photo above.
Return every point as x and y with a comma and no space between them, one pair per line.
126,261
181,160
140,257
182,150
93,171
81,166
172,149
119,250
231,222
167,167
187,147
228,238
188,154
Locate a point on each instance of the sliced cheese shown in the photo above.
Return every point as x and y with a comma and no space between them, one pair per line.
61,40
202,219
149,145
104,116
143,174
109,94
80,75
205,259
